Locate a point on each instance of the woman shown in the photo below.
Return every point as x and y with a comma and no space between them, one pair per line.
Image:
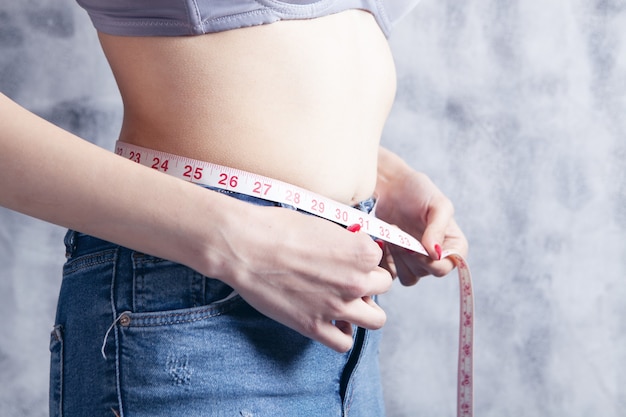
294,91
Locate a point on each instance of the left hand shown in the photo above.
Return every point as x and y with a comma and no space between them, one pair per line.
410,200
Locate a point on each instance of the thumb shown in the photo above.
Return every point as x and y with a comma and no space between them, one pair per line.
440,214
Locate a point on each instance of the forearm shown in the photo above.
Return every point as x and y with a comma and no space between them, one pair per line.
50,174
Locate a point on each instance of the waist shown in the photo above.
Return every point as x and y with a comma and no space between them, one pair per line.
245,185
347,176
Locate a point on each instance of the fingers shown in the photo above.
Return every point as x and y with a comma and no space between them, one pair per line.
344,326
369,255
365,313
440,214
377,282
441,234
338,334
409,266
358,307
388,263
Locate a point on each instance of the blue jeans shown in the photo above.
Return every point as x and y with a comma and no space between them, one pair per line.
139,336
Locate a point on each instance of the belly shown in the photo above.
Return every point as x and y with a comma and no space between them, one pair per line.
300,101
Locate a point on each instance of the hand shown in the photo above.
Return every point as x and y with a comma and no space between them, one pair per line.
411,201
310,274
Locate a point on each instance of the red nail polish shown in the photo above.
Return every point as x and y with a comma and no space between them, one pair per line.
354,228
438,250
380,243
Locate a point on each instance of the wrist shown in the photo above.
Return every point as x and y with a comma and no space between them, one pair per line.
208,235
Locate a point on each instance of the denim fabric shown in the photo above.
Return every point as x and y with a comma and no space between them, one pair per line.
140,336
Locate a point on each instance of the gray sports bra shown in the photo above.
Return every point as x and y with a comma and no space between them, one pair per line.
195,17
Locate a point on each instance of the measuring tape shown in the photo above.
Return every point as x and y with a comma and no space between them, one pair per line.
247,183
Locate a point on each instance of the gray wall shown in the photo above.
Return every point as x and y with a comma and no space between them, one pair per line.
513,107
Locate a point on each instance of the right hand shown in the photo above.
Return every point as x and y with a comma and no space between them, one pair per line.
309,274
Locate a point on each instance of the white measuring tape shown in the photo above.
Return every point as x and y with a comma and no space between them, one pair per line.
247,183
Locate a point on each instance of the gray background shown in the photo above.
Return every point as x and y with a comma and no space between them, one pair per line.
513,107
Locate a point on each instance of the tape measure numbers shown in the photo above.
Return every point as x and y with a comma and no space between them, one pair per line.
243,182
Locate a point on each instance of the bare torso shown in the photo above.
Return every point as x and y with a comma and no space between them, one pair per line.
300,101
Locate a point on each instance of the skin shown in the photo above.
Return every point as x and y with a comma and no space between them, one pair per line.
300,101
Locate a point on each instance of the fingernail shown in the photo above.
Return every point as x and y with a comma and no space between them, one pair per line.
438,250
354,228
380,243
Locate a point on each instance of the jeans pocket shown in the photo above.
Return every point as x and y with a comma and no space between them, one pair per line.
161,285
56,372
223,360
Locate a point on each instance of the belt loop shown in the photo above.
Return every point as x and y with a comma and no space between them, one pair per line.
70,243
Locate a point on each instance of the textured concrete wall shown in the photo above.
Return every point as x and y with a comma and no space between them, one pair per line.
513,107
